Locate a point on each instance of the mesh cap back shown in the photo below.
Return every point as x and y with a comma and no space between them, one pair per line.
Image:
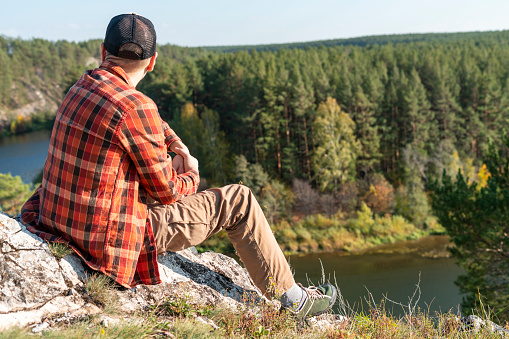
130,28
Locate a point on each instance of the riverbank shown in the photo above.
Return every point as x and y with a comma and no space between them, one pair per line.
320,233
296,233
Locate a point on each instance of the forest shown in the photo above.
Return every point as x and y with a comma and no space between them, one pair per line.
341,141
333,131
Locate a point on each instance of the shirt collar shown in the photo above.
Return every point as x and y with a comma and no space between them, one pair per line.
117,70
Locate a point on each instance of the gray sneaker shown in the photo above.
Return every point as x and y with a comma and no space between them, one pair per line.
319,300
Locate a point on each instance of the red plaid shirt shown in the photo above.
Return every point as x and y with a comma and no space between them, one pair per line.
107,154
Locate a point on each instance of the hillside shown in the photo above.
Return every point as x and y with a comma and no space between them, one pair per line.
35,74
477,37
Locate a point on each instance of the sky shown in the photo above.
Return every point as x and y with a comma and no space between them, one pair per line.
238,22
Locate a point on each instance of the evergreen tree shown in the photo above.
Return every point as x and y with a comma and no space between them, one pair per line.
477,221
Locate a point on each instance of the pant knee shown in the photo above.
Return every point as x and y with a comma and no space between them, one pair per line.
238,191
242,190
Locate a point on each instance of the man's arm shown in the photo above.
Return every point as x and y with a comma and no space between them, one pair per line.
171,139
146,140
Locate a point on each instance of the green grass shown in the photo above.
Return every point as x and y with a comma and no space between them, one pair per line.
59,250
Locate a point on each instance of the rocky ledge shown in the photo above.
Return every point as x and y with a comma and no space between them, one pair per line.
39,290
36,286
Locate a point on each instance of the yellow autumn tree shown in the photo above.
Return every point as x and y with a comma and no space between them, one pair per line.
482,177
337,148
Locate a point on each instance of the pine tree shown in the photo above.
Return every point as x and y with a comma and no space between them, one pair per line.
477,222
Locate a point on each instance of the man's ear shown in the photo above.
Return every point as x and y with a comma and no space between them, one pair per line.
103,52
152,63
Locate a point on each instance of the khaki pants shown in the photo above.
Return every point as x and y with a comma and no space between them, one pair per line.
195,218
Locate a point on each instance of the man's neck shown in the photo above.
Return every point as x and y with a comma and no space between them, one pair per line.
136,77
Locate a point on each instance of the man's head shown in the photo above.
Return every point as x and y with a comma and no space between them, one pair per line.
130,41
130,28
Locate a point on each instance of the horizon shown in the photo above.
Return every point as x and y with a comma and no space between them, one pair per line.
278,43
229,23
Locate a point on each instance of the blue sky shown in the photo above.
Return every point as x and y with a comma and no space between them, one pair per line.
229,22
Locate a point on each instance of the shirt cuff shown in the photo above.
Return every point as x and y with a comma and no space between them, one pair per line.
195,177
170,137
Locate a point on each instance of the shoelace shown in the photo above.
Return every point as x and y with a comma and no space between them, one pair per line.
312,292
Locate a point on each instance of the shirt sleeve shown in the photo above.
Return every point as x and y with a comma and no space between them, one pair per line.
169,135
146,140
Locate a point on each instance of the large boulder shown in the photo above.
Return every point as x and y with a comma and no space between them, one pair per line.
34,285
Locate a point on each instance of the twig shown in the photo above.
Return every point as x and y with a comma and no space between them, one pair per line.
411,305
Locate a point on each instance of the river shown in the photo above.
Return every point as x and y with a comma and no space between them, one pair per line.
391,270
24,154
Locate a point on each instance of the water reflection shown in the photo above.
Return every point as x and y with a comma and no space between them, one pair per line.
392,271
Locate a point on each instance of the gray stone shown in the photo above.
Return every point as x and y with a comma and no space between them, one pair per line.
40,327
35,285
475,324
29,275
73,270
58,305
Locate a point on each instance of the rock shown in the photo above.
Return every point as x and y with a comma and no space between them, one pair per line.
73,270
108,321
41,327
473,323
34,285
328,321
58,305
30,276
207,321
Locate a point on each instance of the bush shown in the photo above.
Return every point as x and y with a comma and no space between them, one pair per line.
13,193
363,224
412,203
379,196
306,198
347,196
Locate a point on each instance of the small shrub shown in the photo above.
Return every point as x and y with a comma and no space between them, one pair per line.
13,193
364,222
59,250
288,234
98,287
181,307
379,195
306,197
347,196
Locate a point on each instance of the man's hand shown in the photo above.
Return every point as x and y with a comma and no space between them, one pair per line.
178,164
190,162
179,148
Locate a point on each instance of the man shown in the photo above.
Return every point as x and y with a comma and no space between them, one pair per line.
108,159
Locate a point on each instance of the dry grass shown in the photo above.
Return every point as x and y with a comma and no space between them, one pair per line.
99,289
59,250
265,322
178,317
